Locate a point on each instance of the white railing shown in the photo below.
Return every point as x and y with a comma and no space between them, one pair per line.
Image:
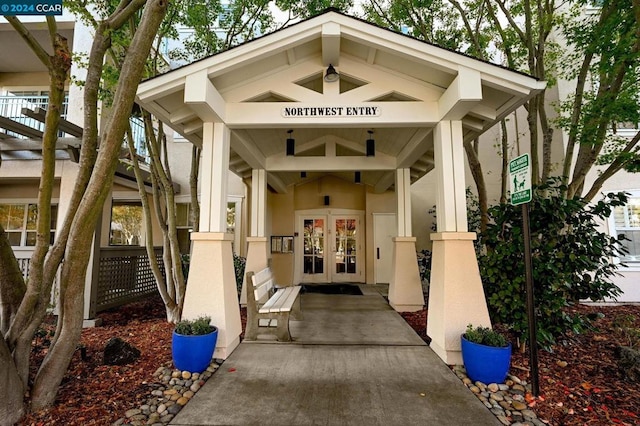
139,138
11,107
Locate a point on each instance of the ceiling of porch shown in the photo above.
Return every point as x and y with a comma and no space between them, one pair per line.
17,57
415,85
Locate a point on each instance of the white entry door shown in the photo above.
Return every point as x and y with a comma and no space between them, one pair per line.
384,229
331,248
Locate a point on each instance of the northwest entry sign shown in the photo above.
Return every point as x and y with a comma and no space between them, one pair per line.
520,179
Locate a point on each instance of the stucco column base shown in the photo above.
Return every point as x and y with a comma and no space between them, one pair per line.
211,288
456,296
256,261
405,288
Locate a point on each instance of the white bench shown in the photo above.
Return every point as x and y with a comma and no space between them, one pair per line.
269,307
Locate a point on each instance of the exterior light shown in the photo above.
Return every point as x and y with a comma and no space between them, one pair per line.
331,75
291,144
371,145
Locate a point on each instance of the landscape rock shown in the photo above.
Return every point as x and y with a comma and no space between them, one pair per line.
119,352
629,363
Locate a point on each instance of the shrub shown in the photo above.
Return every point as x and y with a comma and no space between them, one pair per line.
485,336
196,327
239,264
424,266
571,261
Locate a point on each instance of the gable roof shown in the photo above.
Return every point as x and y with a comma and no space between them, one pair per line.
414,85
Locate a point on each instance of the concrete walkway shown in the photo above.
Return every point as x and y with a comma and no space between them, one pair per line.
354,361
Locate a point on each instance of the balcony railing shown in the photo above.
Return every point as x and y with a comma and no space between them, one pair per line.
139,138
11,107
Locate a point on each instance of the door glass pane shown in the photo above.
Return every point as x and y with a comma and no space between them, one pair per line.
313,256
345,260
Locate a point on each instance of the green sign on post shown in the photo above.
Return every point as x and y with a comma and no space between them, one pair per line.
520,180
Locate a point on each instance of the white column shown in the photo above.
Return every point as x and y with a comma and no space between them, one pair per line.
215,166
456,296
451,206
403,195
257,248
405,287
258,202
211,288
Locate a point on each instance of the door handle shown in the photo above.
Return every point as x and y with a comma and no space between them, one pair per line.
378,252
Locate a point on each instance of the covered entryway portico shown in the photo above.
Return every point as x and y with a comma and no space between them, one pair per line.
398,109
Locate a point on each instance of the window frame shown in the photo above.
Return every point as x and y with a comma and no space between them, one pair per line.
614,231
118,201
25,220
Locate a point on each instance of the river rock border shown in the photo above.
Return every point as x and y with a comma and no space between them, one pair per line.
505,400
172,390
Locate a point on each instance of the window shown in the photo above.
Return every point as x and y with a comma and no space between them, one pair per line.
625,221
184,225
231,218
19,222
126,224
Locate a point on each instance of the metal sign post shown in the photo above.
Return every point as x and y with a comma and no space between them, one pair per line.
520,179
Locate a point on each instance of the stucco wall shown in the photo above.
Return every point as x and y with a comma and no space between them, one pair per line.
24,190
342,194
308,196
25,81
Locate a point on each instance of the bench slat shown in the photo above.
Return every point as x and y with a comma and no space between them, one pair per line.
282,301
275,302
263,289
290,299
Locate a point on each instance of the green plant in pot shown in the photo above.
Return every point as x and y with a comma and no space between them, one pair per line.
486,354
193,343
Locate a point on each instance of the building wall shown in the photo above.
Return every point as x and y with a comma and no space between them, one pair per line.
310,196
25,81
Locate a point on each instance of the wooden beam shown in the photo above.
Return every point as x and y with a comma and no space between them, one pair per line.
65,126
331,44
16,144
19,128
276,183
464,93
203,97
282,163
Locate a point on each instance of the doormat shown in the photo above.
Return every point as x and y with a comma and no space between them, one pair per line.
350,289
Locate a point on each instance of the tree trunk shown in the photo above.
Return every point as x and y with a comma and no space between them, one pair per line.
11,395
478,177
79,246
504,175
13,287
193,185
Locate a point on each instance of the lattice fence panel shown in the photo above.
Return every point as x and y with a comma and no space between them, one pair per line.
125,276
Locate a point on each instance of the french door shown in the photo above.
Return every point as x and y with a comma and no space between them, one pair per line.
330,248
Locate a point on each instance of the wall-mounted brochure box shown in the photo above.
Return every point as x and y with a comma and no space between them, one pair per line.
282,244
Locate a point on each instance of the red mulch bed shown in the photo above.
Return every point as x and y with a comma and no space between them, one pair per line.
580,382
588,390
95,394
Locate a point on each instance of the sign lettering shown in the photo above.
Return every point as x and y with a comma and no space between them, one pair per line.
331,111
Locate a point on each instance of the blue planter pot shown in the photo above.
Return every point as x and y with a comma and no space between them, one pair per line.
193,353
486,364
